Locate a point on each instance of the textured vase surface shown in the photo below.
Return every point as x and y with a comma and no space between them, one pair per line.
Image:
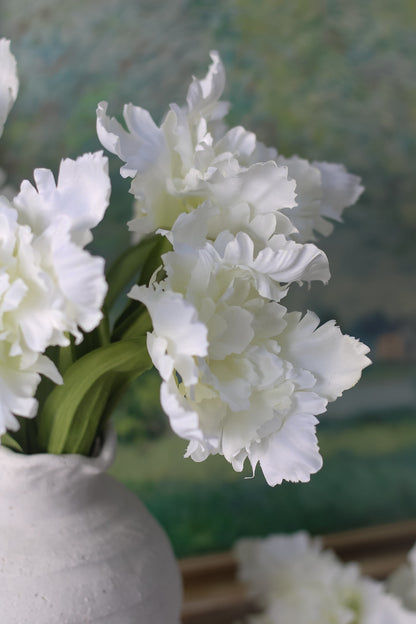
76,547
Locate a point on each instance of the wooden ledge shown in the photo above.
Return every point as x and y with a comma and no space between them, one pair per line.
212,592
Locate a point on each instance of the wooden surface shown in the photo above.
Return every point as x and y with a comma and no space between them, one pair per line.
212,594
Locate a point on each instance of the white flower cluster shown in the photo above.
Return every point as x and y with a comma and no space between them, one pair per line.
242,376
295,581
50,286
402,583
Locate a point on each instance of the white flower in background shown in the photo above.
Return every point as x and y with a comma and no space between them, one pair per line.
295,581
177,167
49,285
9,83
255,388
402,583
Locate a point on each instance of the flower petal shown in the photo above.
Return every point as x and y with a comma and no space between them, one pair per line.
9,82
339,189
203,95
140,147
81,194
334,359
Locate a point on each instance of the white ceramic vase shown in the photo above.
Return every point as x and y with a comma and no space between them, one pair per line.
76,547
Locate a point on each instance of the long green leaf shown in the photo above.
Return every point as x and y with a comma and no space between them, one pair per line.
134,325
74,412
8,440
127,268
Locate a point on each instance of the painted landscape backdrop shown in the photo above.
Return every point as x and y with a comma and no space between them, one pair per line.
326,80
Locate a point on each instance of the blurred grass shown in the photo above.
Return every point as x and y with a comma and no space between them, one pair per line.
150,462
367,478
350,491
389,370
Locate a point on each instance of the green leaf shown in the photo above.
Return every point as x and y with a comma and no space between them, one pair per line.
8,440
92,340
154,260
134,324
129,266
74,413
65,356
25,438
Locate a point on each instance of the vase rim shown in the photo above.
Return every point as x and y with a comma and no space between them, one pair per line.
98,462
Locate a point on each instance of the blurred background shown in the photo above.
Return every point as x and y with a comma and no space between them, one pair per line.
325,80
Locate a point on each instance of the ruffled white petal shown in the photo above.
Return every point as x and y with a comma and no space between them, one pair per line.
81,194
80,279
140,148
9,82
49,285
294,580
339,189
334,359
184,421
264,186
182,164
306,215
254,389
175,321
203,95
281,262
323,191
292,452
18,384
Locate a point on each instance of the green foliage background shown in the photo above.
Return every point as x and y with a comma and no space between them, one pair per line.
327,80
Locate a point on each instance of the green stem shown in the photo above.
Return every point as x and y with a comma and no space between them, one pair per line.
74,413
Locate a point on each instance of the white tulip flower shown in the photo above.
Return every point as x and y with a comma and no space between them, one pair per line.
254,390
177,167
192,158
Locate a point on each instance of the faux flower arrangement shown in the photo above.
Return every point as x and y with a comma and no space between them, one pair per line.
223,226
293,579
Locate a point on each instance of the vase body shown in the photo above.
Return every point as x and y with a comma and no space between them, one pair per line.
77,547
